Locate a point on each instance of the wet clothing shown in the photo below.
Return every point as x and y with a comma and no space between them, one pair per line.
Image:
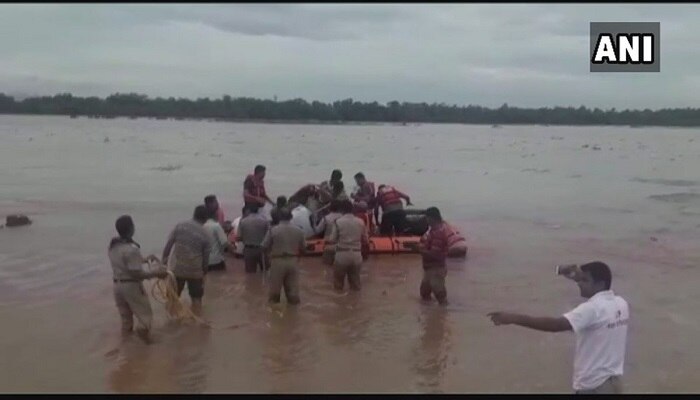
436,241
389,199
301,218
366,193
254,257
348,233
303,195
600,326
347,263
325,227
284,274
191,246
218,242
393,223
217,267
434,283
612,385
195,287
434,263
220,218
132,301
255,187
252,230
129,294
284,243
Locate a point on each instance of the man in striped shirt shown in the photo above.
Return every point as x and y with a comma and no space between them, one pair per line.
434,246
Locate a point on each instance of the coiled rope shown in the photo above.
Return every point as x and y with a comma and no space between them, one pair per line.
164,291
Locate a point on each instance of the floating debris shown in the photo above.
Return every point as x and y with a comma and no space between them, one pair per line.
168,168
596,147
106,140
585,146
654,239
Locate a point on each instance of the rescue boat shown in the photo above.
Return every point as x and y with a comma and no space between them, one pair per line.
403,244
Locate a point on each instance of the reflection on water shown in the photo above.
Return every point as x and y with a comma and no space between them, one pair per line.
527,197
432,352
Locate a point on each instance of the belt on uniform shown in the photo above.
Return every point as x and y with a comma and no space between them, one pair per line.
344,249
125,280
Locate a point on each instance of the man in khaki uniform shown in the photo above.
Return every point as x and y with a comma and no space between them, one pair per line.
128,274
285,242
324,227
348,234
251,231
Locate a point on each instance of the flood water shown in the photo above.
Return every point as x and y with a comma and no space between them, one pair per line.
528,197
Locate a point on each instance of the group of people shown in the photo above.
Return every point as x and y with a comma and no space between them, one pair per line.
197,246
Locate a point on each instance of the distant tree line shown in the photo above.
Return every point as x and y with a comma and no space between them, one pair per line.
246,108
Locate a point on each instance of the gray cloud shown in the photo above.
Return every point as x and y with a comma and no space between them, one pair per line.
523,54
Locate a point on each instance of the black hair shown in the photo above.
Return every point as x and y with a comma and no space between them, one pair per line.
210,199
285,214
259,168
281,201
380,187
359,175
253,208
600,272
336,175
125,228
244,209
201,213
433,212
338,187
346,207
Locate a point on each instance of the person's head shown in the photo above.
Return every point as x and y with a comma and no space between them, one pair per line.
432,214
125,227
334,206
381,187
245,212
360,179
285,214
259,171
201,214
346,207
595,277
281,201
336,175
253,208
211,202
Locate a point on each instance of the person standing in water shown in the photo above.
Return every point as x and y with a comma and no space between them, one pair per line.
433,248
348,235
600,326
254,188
190,244
284,242
393,215
128,276
251,231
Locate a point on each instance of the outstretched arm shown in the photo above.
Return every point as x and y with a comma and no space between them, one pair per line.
545,324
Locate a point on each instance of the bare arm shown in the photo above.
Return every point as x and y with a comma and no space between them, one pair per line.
168,246
545,324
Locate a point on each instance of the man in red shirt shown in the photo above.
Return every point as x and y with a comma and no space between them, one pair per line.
254,188
434,245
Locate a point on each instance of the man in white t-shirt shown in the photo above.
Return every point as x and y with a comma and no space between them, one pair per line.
600,325
219,242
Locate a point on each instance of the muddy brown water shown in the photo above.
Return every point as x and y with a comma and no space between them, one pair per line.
528,197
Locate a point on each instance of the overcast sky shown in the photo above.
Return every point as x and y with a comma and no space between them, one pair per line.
528,55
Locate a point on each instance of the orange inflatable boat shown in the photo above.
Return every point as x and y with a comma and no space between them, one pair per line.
405,244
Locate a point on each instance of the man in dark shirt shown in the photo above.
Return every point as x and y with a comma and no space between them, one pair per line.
254,188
